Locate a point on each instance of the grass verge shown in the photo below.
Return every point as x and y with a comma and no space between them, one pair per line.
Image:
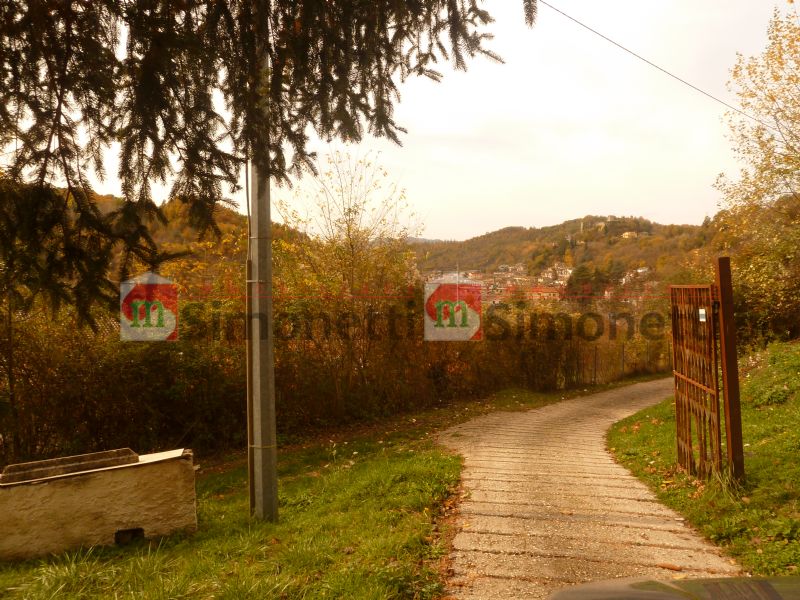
355,521
758,523
358,519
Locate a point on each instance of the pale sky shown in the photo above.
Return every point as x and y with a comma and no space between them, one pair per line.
572,125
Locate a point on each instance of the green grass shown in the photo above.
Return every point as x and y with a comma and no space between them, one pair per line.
758,523
358,519
355,521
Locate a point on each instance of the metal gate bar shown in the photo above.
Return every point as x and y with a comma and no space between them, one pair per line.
695,330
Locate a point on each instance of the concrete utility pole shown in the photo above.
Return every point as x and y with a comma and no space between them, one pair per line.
262,450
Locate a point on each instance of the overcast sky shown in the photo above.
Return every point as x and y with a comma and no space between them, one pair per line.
571,125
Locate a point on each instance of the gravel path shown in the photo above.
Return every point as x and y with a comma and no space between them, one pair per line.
547,507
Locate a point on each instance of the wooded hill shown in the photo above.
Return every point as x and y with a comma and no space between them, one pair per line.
177,233
607,243
594,241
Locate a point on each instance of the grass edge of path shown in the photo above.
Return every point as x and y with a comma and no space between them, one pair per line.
756,523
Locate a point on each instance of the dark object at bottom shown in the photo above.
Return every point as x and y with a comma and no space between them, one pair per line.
736,588
126,536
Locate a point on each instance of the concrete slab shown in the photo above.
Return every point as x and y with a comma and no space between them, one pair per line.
152,497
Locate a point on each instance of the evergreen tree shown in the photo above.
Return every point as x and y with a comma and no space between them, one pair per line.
78,76
579,285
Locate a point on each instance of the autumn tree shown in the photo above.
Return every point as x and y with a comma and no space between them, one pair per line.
768,144
352,267
760,225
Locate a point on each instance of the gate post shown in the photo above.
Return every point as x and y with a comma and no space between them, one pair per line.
730,369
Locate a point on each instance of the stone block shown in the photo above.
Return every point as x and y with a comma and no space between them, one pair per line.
95,499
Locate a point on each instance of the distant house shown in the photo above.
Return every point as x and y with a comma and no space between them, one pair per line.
561,271
451,277
434,275
652,287
542,292
629,235
630,276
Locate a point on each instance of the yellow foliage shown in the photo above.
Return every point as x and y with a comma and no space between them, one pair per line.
760,226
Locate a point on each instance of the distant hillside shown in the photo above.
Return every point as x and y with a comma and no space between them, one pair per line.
612,244
419,240
178,234
594,241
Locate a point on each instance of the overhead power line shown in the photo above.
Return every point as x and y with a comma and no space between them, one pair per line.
655,66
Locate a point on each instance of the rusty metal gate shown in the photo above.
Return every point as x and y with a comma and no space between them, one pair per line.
703,339
695,360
